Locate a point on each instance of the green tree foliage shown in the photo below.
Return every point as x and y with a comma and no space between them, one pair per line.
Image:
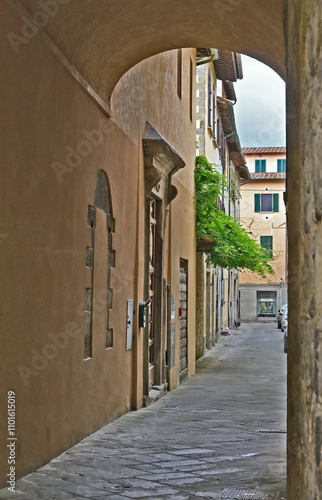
220,236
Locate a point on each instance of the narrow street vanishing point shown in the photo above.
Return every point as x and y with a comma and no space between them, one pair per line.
221,434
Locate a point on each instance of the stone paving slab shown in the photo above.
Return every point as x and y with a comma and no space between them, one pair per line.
220,435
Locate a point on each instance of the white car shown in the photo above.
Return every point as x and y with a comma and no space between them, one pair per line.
280,315
284,321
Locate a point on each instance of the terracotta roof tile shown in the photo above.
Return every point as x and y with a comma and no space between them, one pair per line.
264,150
228,66
203,52
230,91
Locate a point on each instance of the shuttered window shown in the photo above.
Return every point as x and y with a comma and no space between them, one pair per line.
275,202
260,165
266,202
257,202
267,243
281,165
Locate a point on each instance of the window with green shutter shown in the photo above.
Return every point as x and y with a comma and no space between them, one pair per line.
267,243
266,202
260,165
257,202
275,202
281,165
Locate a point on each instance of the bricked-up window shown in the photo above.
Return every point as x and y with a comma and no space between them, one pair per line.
267,243
179,73
102,201
281,165
260,165
266,202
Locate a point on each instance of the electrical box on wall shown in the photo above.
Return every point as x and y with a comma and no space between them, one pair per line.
130,324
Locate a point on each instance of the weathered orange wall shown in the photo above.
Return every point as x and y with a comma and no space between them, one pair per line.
43,266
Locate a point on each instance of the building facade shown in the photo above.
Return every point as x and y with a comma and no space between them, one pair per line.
101,245
217,139
263,214
60,67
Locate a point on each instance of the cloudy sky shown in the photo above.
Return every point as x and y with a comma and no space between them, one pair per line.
260,107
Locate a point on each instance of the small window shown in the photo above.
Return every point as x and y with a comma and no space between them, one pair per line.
266,202
260,165
281,165
267,243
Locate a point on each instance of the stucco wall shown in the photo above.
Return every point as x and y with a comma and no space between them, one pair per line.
271,161
265,224
304,136
248,300
47,117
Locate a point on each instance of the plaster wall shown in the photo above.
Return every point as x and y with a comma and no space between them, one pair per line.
207,145
248,304
103,41
248,300
304,138
265,224
60,397
271,161
48,117
89,34
183,247
201,304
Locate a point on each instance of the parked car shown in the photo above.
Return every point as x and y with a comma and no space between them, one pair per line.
285,338
284,320
280,314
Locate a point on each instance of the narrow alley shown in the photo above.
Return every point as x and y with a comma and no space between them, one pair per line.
221,434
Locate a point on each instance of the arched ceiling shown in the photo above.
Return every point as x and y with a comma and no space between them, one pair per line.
104,38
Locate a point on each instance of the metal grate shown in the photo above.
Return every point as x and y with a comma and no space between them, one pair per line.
244,494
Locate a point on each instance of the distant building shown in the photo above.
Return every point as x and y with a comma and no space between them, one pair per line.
263,214
217,139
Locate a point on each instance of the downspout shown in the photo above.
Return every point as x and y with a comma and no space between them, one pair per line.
244,183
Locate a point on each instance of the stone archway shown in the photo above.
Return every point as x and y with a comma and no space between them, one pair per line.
99,40
104,39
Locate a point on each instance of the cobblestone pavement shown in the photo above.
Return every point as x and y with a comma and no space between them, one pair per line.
220,435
